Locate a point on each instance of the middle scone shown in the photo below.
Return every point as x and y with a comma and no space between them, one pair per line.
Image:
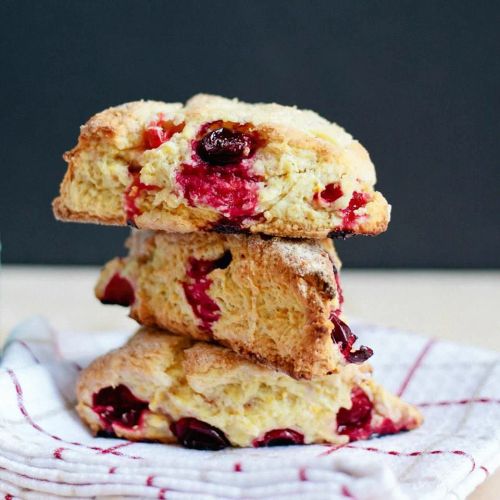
272,300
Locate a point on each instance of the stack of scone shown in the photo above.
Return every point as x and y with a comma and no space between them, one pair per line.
231,274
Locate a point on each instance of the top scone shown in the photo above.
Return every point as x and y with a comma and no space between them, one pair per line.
217,164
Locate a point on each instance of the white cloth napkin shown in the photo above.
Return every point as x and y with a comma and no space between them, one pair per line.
45,451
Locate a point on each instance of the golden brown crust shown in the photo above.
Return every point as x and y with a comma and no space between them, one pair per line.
121,125
181,378
63,213
274,298
303,153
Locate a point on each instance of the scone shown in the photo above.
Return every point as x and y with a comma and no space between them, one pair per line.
273,300
223,165
161,387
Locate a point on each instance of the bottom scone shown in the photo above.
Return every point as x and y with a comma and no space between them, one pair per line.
160,387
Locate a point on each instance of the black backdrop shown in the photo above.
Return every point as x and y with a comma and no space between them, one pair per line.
416,82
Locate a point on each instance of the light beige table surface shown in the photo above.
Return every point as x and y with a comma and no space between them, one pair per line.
459,306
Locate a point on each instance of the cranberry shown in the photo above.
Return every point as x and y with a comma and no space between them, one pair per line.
109,433
117,405
338,233
355,422
119,291
279,437
159,132
196,288
193,433
218,177
331,193
223,146
223,261
199,268
359,355
387,426
155,136
358,200
343,336
232,190
203,306
226,226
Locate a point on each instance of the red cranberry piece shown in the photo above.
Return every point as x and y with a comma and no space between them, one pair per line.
223,146
230,189
343,336
359,355
155,136
196,289
118,291
117,405
203,306
358,200
355,422
159,132
331,193
279,437
199,268
387,426
193,433
216,176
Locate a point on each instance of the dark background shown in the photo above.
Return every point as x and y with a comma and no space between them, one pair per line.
416,82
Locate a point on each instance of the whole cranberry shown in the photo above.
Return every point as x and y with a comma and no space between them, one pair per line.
117,405
193,433
223,146
355,422
279,437
331,193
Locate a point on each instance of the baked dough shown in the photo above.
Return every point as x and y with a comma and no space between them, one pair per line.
167,388
272,300
221,165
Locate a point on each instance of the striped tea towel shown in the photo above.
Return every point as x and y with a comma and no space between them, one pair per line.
46,452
